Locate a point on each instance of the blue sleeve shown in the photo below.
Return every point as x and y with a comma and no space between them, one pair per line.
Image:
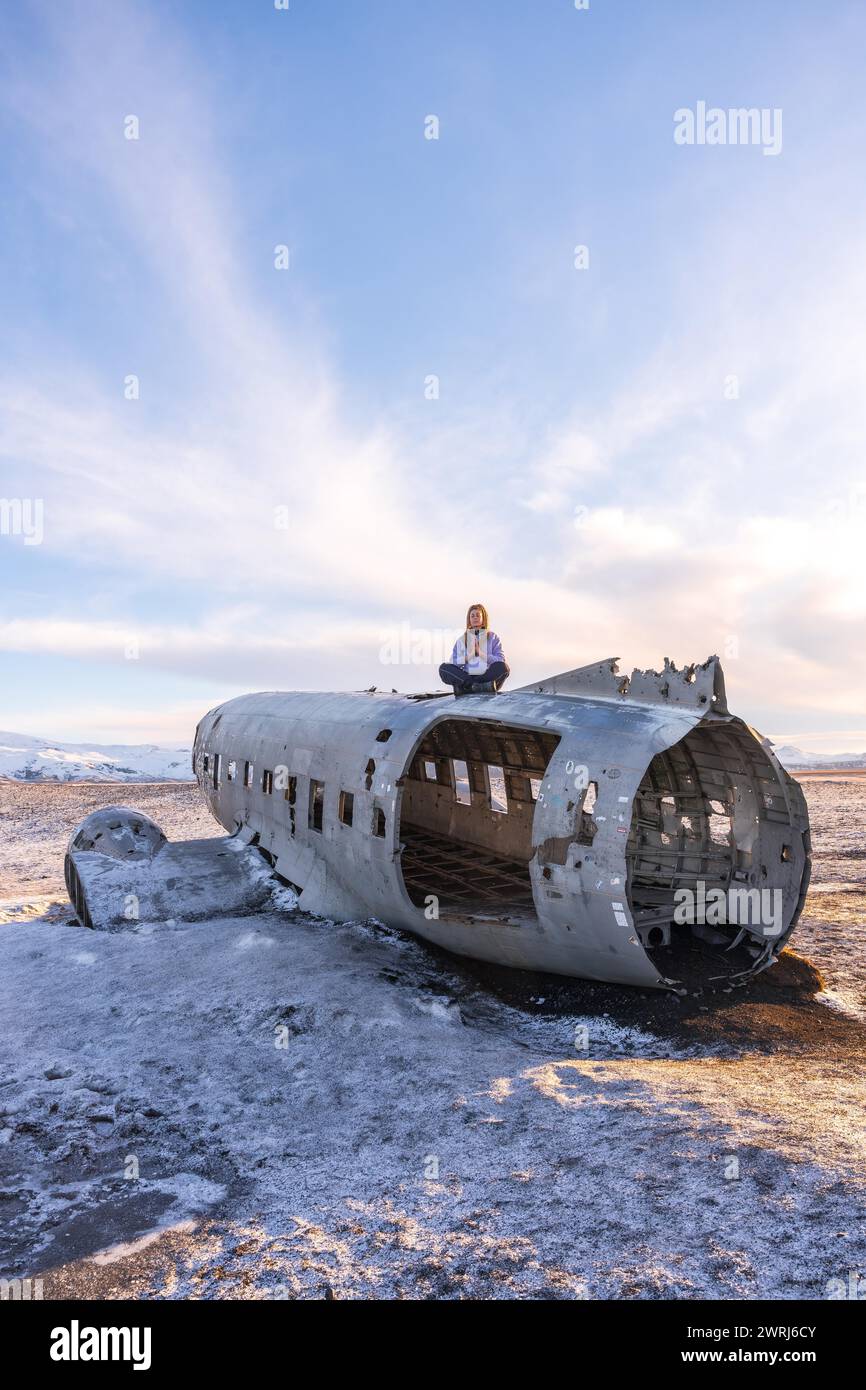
494,649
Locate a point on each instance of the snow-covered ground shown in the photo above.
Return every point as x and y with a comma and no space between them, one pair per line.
277,1106
24,757
37,819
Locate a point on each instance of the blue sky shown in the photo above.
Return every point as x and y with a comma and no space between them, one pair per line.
658,455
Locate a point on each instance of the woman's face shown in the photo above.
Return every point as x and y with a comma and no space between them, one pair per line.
476,617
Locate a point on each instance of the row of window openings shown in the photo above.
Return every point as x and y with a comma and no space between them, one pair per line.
462,788
290,789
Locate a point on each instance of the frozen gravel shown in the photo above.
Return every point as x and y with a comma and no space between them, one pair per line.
276,1106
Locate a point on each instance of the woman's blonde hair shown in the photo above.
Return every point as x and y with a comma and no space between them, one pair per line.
482,610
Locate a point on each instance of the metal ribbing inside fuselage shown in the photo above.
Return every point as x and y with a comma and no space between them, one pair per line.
713,816
466,816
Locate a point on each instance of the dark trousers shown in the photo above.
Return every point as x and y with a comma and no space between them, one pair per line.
497,672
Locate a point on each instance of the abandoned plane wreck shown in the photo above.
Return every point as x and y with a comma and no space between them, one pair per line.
553,828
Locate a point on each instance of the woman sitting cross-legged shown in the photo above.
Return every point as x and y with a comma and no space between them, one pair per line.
477,662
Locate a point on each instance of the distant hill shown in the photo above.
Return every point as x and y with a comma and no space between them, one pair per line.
24,758
791,757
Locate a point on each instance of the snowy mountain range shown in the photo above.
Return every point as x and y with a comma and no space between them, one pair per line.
24,758
791,758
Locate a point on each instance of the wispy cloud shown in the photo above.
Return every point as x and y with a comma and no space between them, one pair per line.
669,518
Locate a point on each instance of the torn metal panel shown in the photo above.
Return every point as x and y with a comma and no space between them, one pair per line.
550,828
698,687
